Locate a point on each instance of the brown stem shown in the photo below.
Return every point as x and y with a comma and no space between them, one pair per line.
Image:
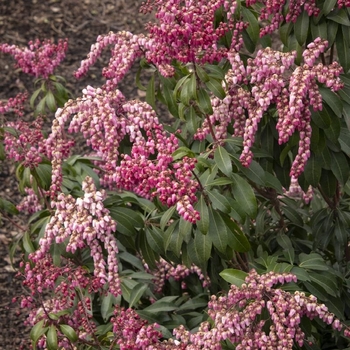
242,262
323,59
14,223
325,197
211,128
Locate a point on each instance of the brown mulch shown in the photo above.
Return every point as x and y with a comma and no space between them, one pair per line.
81,21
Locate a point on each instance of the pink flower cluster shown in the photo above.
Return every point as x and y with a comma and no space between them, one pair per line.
105,119
303,93
14,104
25,142
64,283
166,270
185,31
238,316
84,222
40,58
273,11
31,203
131,332
125,51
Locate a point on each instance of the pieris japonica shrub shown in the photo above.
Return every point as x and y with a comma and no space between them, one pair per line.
226,228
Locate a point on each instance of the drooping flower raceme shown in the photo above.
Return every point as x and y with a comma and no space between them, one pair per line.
105,119
40,58
84,222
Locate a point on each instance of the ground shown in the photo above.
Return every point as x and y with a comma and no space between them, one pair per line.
81,21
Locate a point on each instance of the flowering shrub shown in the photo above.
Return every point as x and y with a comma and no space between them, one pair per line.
228,228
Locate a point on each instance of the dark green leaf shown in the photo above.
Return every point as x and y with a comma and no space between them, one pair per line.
217,231
216,88
166,217
284,241
137,293
328,183
340,16
202,208
319,30
244,195
253,29
332,30
185,229
155,239
223,160
340,167
328,6
233,276
312,171
8,207
219,201
326,281
255,173
236,238
204,102
333,101
160,306
34,97
202,74
301,27
343,49
312,261
200,248
50,101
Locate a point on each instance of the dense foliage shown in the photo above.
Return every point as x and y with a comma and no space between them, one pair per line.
225,229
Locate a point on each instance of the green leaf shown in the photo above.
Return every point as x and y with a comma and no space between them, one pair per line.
340,167
340,16
204,102
69,332
333,101
217,231
326,281
199,248
312,261
37,331
284,241
44,172
223,160
150,93
343,48
137,293
27,243
50,101
220,181
185,229
34,97
160,306
332,30
202,74
301,28
328,183
166,217
244,195
173,240
312,171
155,239
319,30
202,208
328,6
233,276
192,86
255,173
216,88
107,306
219,201
147,253
321,118
253,29
8,207
183,152
236,238
51,338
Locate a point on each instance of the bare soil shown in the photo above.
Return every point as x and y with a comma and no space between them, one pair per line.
81,21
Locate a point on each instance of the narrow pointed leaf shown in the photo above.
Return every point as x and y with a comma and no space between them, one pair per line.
137,293
223,160
244,194
217,231
216,88
301,28
340,167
